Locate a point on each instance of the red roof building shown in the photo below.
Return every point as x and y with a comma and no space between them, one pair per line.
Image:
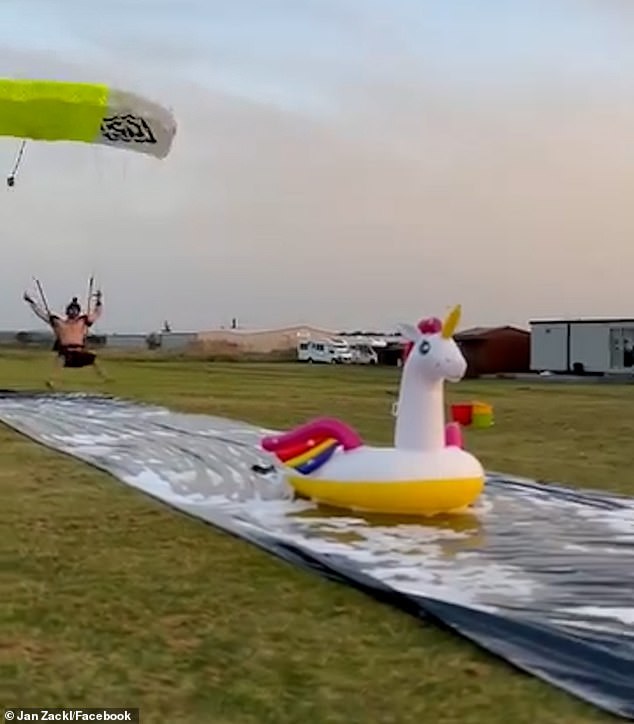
495,350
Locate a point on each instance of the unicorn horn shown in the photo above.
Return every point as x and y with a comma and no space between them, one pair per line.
451,322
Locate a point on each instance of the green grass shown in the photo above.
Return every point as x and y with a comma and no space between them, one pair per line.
111,599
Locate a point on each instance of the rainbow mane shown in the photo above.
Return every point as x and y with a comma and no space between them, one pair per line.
311,456
309,446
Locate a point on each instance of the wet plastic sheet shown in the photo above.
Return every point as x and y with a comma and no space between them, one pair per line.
540,575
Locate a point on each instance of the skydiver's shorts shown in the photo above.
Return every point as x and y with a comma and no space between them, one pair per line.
76,356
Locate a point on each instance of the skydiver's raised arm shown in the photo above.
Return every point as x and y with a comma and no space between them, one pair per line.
38,311
93,316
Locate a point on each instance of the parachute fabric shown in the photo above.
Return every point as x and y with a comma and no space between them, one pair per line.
46,110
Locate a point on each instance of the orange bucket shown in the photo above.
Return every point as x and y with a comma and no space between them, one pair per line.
482,415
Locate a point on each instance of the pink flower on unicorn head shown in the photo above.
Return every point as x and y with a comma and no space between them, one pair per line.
432,325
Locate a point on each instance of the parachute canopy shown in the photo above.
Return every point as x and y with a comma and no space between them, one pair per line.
46,110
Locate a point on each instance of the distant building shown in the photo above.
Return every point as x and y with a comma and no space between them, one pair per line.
261,341
126,341
594,346
495,350
177,341
165,341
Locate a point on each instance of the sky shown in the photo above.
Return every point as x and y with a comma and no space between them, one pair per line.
344,163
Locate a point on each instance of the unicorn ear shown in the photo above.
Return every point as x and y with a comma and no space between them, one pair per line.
409,331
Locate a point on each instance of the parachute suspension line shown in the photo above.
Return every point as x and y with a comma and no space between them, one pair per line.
38,284
91,286
16,165
97,160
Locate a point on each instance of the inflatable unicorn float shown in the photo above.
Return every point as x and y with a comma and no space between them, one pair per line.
427,472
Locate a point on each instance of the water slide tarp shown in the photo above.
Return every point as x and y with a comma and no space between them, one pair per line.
540,575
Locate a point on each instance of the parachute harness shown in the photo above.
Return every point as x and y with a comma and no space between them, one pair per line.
16,165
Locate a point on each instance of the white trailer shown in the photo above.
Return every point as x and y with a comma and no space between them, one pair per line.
591,346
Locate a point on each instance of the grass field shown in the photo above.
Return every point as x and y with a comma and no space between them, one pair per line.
110,599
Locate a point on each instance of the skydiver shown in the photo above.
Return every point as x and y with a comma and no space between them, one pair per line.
70,336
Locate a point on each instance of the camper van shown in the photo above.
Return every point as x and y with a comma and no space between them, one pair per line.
363,354
324,350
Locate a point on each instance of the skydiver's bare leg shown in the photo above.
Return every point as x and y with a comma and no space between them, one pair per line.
56,374
101,373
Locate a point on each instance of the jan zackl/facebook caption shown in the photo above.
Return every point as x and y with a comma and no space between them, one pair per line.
19,714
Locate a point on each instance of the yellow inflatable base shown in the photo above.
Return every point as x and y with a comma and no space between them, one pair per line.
406,497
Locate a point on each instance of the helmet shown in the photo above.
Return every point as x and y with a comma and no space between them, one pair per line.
74,308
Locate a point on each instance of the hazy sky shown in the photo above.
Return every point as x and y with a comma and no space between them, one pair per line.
342,162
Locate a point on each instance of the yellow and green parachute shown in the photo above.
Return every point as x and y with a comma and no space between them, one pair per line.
48,110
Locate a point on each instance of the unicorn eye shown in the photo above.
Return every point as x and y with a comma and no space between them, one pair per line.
424,347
